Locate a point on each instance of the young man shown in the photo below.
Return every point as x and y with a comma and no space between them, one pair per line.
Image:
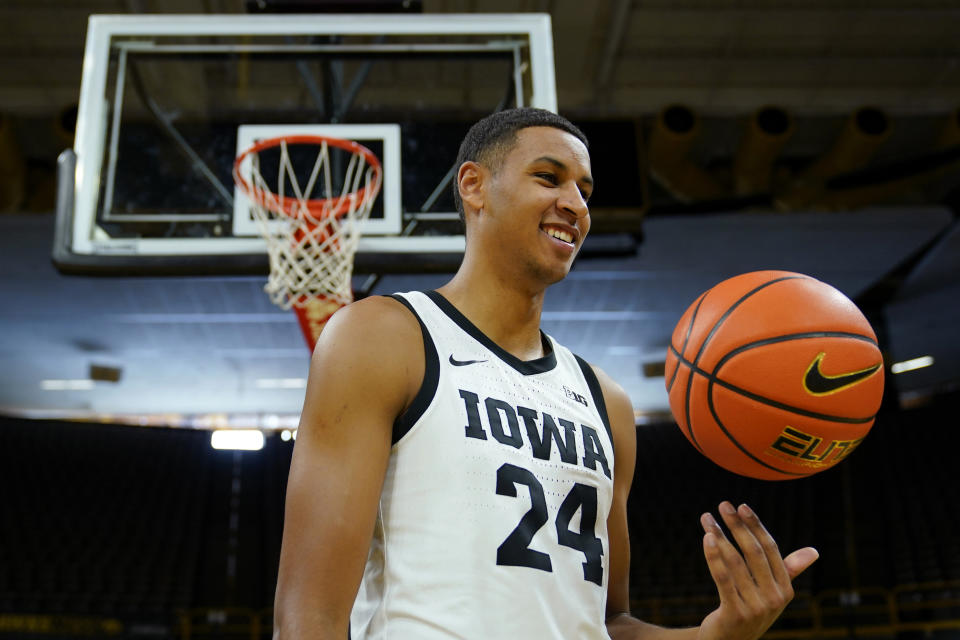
457,473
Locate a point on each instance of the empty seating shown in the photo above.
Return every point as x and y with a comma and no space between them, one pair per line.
138,523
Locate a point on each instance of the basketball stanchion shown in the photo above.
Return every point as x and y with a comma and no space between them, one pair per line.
311,226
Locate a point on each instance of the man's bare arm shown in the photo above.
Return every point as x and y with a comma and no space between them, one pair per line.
620,414
620,624
367,366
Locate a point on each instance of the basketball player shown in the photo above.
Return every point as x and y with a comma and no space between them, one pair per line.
459,474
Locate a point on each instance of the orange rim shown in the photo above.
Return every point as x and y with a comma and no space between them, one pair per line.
318,207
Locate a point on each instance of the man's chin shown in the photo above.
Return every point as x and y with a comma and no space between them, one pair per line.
549,273
556,274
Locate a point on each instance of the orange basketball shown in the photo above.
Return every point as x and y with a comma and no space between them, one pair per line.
774,375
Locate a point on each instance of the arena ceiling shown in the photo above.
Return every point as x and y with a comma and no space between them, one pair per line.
198,347
617,57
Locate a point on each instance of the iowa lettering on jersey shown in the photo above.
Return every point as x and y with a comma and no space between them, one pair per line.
540,429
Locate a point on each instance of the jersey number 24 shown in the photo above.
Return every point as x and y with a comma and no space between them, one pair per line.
515,550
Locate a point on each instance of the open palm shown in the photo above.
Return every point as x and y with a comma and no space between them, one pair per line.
754,586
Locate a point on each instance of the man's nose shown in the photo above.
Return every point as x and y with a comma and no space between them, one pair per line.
572,201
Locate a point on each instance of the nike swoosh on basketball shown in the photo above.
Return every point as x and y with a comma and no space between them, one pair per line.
462,363
818,384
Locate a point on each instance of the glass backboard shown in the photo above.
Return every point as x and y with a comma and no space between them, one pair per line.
168,101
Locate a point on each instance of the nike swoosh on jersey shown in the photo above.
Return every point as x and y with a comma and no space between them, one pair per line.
818,384
462,363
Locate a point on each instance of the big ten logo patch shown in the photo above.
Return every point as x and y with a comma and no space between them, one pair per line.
810,450
573,395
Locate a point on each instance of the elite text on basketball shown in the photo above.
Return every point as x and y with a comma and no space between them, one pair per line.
807,450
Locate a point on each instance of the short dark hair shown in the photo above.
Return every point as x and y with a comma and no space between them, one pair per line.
489,140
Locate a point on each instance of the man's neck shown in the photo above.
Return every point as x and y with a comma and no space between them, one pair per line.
506,313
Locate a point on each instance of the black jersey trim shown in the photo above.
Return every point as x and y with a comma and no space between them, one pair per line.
431,379
597,393
526,367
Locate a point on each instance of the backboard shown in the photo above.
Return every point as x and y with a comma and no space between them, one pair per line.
168,101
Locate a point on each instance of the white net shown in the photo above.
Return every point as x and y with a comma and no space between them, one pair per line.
312,241
312,225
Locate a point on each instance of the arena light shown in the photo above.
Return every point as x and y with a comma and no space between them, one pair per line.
82,384
237,439
281,383
910,365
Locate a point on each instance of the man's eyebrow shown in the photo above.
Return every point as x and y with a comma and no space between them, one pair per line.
562,166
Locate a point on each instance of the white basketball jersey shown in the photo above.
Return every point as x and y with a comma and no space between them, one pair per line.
493,516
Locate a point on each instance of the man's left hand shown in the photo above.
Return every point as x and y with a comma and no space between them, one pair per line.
754,587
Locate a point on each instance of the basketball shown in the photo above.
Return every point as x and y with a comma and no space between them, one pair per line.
774,375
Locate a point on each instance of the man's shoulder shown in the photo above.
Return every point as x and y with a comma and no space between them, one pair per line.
374,312
371,344
373,324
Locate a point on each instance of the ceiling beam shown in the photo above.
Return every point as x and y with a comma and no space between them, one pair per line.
615,30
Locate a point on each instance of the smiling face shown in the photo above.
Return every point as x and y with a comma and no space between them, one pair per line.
530,213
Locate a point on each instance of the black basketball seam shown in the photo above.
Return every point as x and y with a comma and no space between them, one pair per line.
760,343
787,337
713,412
726,314
686,398
767,401
686,339
703,345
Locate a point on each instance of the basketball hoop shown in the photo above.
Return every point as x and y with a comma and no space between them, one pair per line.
311,226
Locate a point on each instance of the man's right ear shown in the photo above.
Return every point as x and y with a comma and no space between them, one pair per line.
470,179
